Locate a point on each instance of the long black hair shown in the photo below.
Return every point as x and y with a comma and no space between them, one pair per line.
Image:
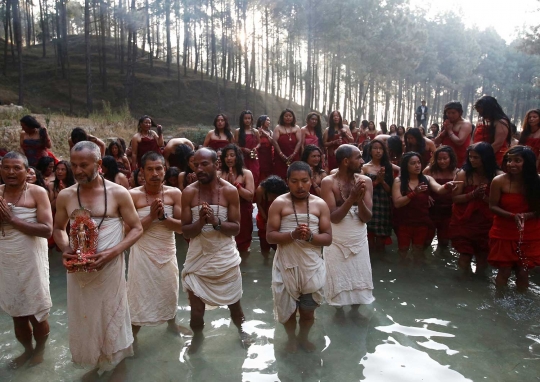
531,179
318,127
420,141
69,181
385,161
526,128
489,163
40,181
43,163
183,152
404,175
261,120
281,119
110,164
226,129
307,152
119,146
493,112
434,166
188,169
242,131
332,126
395,146
239,159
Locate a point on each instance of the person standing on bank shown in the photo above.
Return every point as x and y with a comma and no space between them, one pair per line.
422,115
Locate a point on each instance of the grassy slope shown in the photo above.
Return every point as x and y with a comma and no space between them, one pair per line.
155,94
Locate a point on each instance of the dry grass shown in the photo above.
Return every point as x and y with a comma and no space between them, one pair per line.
106,125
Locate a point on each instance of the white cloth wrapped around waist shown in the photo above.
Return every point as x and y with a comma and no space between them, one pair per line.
298,269
98,315
24,270
153,274
212,267
348,268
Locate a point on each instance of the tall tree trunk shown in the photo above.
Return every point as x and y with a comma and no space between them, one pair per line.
149,39
168,34
307,78
44,34
102,12
89,103
6,35
18,40
122,23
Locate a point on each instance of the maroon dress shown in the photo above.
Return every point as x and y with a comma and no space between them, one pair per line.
440,213
266,158
146,145
252,164
287,148
243,239
217,144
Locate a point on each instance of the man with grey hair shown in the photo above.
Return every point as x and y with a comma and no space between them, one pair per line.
99,321
26,223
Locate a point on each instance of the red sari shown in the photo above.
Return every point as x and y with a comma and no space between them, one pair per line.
504,236
217,144
412,222
481,134
534,144
470,224
261,226
440,214
252,164
266,158
287,144
146,145
243,239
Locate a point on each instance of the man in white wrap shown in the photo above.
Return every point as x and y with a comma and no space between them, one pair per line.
153,276
98,315
299,223
349,196
211,220
26,221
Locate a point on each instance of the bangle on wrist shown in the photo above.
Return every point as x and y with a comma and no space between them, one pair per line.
411,194
292,235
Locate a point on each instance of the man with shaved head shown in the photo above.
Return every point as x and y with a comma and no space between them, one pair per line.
211,220
98,315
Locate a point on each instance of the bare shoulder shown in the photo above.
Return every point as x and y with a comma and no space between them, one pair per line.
328,179
69,192
135,191
228,189
281,200
37,191
117,190
318,202
499,172
365,178
173,191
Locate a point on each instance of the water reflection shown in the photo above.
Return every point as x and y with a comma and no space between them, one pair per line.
425,325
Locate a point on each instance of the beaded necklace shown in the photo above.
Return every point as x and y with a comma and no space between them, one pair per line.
294,209
11,205
104,191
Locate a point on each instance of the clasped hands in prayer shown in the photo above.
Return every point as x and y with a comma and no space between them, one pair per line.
207,213
6,214
157,209
302,232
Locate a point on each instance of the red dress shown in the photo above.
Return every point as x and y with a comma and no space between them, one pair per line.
371,136
266,158
440,214
534,144
470,224
261,226
146,144
481,135
287,148
332,163
504,236
34,149
217,144
460,150
412,221
243,239
311,140
252,164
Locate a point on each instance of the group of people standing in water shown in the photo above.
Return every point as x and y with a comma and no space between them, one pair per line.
327,199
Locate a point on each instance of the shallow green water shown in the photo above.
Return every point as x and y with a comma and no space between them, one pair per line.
425,325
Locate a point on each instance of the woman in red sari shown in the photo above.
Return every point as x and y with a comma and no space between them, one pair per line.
530,133
266,148
410,193
443,168
494,127
221,136
415,141
247,138
471,218
233,171
514,243
312,134
335,135
146,140
288,137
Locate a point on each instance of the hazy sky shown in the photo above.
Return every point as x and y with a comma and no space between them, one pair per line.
503,15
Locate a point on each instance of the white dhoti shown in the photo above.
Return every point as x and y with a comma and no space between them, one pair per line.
348,269
24,271
298,269
212,267
98,314
153,274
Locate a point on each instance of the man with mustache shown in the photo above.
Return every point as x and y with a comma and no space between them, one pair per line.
153,256
211,220
98,313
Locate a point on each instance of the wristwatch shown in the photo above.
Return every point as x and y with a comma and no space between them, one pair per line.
165,216
310,238
218,226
